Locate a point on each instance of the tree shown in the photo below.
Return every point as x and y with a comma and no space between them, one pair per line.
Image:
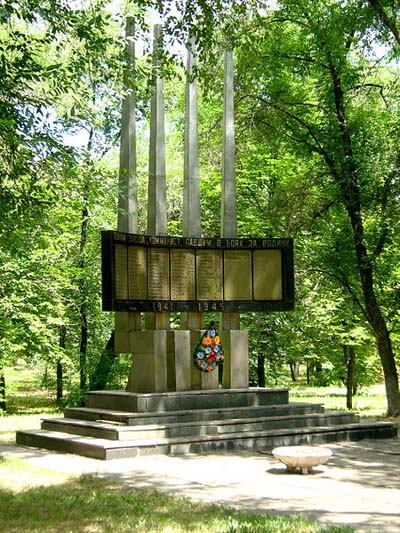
308,80
329,119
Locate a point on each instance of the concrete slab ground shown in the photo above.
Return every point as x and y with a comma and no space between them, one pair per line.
359,486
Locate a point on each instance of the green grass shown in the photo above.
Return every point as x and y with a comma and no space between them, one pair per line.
369,403
27,402
24,394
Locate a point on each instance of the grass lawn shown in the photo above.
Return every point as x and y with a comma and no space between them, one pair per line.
369,403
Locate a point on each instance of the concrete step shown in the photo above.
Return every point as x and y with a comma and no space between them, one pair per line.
184,400
187,429
131,418
257,440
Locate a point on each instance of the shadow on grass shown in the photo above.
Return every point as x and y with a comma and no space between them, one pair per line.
93,504
29,401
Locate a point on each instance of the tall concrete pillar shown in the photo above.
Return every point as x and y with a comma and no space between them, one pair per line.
235,343
229,216
127,192
191,179
228,207
157,188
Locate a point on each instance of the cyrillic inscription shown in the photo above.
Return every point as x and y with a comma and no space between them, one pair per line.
158,273
209,274
237,275
121,272
183,273
267,274
137,272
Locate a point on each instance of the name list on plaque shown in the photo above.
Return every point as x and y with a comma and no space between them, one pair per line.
183,274
158,274
163,273
209,275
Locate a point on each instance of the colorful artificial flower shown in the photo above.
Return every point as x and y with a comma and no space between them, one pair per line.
208,353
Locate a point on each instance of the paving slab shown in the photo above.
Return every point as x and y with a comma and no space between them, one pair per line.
359,486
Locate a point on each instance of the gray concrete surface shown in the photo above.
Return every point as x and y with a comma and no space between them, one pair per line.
359,486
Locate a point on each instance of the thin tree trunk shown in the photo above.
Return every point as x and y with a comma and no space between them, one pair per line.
3,402
261,370
292,371
350,360
60,373
82,284
310,369
83,296
83,350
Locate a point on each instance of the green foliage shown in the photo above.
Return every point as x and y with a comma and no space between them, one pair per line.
298,155
317,115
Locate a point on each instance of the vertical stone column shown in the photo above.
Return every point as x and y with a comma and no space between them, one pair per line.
228,207
157,187
127,193
149,369
191,179
191,323
235,373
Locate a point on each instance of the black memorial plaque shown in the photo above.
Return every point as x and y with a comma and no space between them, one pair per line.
157,273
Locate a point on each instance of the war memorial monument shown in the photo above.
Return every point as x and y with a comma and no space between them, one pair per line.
177,400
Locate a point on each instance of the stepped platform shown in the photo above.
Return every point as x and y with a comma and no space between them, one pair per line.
116,424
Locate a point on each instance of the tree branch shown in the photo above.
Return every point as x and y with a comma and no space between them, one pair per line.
389,23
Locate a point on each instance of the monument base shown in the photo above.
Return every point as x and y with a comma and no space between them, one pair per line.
149,366
163,361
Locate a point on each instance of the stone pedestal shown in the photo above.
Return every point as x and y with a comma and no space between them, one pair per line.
179,360
149,366
163,361
236,364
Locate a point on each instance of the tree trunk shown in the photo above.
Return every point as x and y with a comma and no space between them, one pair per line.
83,351
379,328
350,361
261,370
83,297
348,183
60,374
310,370
292,371
98,380
3,402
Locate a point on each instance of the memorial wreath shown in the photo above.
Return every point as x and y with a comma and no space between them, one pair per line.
208,353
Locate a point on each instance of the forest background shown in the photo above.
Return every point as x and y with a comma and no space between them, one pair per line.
317,159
